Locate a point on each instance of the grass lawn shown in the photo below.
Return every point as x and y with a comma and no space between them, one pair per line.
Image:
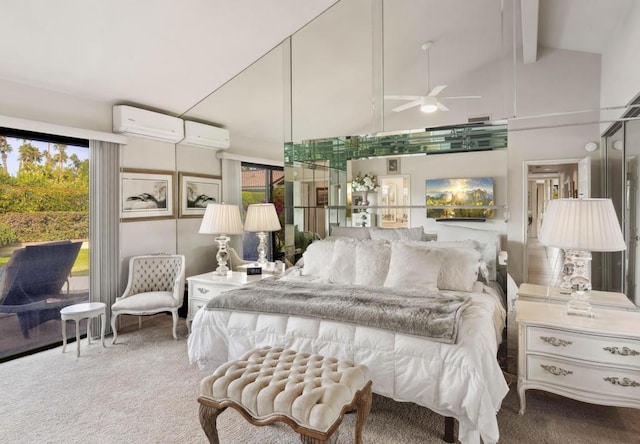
80,267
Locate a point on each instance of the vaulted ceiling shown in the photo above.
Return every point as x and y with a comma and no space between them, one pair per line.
170,55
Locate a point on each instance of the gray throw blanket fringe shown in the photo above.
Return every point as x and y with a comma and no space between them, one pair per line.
421,313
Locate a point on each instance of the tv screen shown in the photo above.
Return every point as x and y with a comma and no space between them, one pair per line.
469,192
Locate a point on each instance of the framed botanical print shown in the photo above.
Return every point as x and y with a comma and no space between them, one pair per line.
196,192
146,194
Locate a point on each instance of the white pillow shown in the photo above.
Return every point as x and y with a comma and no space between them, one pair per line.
372,262
317,258
488,240
352,232
461,263
342,268
413,267
460,267
391,234
388,234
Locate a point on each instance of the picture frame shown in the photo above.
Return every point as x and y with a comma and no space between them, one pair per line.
393,165
196,191
146,195
322,196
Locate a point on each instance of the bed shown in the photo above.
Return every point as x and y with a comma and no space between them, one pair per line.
456,377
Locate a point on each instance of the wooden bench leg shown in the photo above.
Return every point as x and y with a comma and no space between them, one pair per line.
333,439
363,403
208,416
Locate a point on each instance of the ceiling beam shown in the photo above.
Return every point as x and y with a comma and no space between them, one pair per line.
529,14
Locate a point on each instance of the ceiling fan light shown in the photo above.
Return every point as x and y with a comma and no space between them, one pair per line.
429,105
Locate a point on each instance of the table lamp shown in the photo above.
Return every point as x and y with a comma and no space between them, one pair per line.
262,218
221,219
581,226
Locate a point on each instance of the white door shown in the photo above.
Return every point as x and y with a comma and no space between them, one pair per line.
584,177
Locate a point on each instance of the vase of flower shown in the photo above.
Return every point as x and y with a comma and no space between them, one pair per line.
364,184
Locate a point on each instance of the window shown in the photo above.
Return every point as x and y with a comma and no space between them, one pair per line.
44,232
263,183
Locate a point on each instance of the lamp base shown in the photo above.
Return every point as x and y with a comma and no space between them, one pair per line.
579,305
222,256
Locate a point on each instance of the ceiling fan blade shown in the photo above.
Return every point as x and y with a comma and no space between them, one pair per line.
407,106
441,106
436,90
392,97
461,97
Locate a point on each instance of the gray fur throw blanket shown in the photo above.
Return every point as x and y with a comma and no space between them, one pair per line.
421,313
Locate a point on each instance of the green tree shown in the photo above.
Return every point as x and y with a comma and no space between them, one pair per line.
5,148
30,156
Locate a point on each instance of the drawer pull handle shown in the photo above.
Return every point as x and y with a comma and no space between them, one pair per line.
624,382
555,341
557,371
625,351
203,290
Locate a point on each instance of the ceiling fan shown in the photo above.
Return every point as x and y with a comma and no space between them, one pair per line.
430,102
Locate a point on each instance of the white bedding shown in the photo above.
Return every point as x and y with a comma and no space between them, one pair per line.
462,380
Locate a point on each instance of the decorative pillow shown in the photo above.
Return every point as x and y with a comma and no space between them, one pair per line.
461,263
488,240
352,232
391,234
317,258
372,262
342,268
388,234
411,266
460,267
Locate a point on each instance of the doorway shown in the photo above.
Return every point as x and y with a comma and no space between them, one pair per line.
547,180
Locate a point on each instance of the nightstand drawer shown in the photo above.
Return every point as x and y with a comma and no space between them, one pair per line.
584,346
584,378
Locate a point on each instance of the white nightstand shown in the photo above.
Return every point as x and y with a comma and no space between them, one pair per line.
205,286
594,360
598,299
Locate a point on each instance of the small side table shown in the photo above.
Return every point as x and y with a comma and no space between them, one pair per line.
76,312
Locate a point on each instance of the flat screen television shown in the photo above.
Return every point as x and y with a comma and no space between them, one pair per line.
465,192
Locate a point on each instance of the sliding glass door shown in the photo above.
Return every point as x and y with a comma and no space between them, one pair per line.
263,183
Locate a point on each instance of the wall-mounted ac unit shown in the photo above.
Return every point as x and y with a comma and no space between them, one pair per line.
205,136
149,124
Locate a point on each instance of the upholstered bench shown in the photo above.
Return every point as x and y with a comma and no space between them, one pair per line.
308,392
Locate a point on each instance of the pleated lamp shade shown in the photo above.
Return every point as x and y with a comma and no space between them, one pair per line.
581,224
262,217
221,219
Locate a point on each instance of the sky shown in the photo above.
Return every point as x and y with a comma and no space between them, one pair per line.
12,157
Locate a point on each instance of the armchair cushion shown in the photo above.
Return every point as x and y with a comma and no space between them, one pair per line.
146,301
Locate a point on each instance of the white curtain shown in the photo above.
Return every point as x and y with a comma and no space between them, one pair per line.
104,224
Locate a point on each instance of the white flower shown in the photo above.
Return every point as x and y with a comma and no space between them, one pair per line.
364,183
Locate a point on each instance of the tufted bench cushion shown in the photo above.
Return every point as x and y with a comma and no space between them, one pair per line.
309,392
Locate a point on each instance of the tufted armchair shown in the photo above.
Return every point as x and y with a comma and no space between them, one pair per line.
155,285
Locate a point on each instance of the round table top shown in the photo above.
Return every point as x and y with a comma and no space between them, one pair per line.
84,308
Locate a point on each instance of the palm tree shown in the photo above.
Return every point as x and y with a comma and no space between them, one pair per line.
30,156
5,148
62,155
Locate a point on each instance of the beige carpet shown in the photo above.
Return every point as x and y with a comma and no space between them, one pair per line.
144,391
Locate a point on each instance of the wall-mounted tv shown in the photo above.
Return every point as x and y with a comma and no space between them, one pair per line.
468,192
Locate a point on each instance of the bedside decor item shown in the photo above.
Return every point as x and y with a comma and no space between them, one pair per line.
364,184
262,218
221,219
580,226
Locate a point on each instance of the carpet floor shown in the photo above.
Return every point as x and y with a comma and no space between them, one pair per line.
143,390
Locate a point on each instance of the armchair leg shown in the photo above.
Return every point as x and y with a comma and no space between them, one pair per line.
174,315
114,318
